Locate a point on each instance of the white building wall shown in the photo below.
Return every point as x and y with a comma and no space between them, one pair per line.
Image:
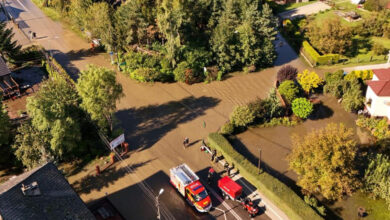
378,106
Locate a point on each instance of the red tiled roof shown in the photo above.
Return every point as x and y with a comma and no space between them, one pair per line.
381,88
382,74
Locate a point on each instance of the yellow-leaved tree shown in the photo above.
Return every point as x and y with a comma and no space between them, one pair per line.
324,161
309,80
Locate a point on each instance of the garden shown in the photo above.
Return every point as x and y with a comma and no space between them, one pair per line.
319,117
346,34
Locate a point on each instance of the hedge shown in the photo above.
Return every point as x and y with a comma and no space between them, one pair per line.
316,58
281,195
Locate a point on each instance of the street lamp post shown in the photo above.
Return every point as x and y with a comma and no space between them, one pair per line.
158,204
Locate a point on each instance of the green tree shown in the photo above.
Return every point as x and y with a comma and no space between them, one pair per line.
99,92
379,49
289,90
309,80
334,83
5,133
77,12
169,20
8,47
324,161
302,107
54,111
330,36
377,177
242,116
99,22
353,99
32,147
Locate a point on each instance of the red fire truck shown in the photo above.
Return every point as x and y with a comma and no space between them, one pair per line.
189,186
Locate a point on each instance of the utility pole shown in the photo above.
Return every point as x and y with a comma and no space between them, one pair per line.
258,165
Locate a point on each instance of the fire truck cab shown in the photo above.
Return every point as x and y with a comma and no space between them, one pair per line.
189,186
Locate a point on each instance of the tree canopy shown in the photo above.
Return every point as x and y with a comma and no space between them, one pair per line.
8,47
54,111
324,160
99,92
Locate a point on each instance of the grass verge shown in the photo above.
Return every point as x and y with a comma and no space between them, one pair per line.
281,195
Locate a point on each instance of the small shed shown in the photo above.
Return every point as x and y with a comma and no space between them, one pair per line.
8,86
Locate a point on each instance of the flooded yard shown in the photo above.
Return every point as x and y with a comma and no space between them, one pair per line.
275,144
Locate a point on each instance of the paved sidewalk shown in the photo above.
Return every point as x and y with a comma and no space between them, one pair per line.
368,67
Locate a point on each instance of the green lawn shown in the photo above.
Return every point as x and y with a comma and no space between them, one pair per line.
381,40
376,209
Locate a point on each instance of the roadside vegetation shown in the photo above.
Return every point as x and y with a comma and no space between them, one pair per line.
191,41
344,34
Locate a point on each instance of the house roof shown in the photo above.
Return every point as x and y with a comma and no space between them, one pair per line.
3,68
381,88
57,199
382,74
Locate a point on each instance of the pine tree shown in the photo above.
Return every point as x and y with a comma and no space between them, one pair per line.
8,47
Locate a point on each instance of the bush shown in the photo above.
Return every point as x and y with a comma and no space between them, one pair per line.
180,71
353,99
287,72
359,74
145,75
279,194
378,127
284,121
242,116
379,49
313,202
289,90
309,80
272,106
302,107
316,58
227,128
334,83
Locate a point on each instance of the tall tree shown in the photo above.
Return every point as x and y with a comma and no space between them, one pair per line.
32,147
99,23
77,12
5,132
54,110
169,20
8,47
330,36
324,161
377,177
99,92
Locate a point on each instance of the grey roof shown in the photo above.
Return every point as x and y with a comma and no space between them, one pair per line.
3,68
58,200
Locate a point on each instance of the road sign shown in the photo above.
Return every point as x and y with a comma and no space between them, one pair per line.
117,141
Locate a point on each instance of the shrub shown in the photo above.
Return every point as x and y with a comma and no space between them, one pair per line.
280,195
287,72
316,58
145,75
379,49
289,90
272,106
284,121
378,127
353,99
302,107
334,83
359,74
242,116
227,128
313,202
180,71
377,177
309,80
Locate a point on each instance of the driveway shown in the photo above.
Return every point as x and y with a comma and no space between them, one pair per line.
305,10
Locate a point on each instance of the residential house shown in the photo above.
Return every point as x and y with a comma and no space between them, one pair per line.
378,93
40,194
8,86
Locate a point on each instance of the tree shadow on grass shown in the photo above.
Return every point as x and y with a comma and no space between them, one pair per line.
107,177
146,125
